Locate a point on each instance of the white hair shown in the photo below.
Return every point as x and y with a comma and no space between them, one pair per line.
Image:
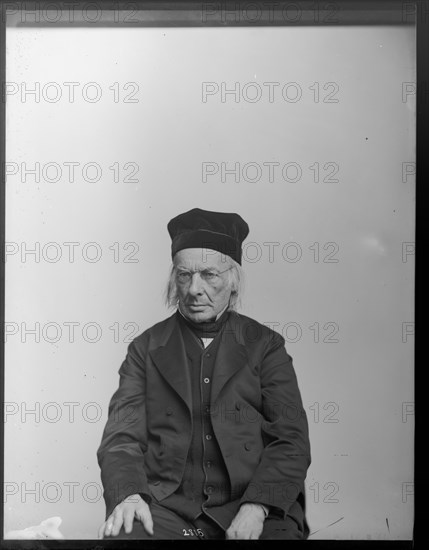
235,276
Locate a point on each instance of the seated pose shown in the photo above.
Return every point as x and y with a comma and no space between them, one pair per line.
206,437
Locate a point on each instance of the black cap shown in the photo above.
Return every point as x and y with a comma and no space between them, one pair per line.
219,231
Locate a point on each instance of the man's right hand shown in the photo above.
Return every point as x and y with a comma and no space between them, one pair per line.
124,513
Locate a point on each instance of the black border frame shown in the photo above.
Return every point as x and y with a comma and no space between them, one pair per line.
188,13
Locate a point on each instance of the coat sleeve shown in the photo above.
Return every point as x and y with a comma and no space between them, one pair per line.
278,480
120,454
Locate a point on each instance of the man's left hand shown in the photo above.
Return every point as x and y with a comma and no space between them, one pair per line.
248,523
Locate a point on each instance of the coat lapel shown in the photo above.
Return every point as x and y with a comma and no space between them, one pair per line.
171,361
230,358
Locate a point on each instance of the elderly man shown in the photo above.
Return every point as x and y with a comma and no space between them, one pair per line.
207,436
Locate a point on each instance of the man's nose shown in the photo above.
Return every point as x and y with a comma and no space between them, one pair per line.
196,285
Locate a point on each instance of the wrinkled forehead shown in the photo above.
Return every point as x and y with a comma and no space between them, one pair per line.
201,258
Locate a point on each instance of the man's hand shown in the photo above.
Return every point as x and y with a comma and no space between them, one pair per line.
124,513
248,523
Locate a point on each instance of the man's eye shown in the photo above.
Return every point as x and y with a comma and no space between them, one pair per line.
209,274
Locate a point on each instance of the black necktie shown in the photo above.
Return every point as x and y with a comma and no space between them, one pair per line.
206,329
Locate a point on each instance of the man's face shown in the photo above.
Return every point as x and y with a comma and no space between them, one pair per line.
207,290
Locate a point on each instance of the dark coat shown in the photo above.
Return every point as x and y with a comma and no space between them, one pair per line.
257,417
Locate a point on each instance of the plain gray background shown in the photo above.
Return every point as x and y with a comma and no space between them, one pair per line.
357,388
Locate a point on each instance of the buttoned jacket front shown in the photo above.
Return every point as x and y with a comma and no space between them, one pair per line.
256,412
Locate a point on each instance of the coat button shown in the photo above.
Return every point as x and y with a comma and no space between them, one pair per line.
247,446
208,354
208,437
169,411
209,489
206,380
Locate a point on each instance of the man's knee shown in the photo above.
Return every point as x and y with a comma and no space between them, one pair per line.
138,533
167,525
281,529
